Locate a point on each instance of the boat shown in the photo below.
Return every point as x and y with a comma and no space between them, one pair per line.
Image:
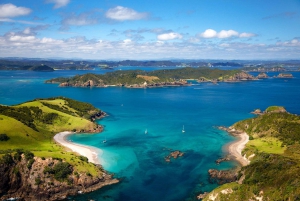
146,131
104,141
183,129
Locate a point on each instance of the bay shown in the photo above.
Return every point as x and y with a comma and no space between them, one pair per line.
138,158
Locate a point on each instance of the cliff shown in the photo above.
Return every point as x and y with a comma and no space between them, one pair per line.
34,182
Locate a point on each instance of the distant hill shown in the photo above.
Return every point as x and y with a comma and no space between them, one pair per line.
139,78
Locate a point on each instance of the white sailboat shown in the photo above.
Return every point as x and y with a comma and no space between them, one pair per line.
146,131
183,129
104,141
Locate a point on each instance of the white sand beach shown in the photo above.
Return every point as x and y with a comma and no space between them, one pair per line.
235,148
89,152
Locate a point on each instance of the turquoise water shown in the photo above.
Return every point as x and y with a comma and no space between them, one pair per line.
138,158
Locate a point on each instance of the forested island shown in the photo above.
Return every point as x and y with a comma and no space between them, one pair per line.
273,149
142,79
32,165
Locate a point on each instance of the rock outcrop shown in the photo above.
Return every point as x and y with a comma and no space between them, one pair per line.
174,154
262,75
18,180
285,75
222,176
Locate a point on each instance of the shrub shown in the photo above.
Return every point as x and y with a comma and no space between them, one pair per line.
38,181
62,170
83,158
7,159
28,155
30,162
4,137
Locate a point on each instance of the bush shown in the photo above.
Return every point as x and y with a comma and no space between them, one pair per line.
30,162
62,170
4,137
28,155
7,159
83,158
38,181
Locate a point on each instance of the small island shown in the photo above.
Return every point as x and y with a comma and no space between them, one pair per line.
33,166
269,159
174,155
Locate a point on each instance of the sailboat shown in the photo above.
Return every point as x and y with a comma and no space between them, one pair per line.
104,141
183,129
146,131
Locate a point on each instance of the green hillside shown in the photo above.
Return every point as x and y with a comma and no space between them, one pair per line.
274,147
31,126
130,77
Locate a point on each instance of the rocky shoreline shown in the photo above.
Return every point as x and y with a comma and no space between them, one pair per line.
35,184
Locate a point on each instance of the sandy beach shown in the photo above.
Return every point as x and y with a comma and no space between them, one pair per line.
89,152
235,148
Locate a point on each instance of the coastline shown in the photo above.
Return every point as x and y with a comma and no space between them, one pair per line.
87,151
235,148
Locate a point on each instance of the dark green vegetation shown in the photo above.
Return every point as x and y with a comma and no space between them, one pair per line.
3,137
139,77
60,171
271,175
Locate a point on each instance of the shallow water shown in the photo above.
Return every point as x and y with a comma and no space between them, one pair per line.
138,158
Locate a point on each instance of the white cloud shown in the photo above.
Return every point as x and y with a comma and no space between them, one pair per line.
58,3
78,20
227,34
169,36
120,13
27,31
10,10
26,45
210,33
246,35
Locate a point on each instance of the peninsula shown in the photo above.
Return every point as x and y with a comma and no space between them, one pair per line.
157,78
33,166
273,149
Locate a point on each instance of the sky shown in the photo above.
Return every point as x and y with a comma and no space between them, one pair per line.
150,29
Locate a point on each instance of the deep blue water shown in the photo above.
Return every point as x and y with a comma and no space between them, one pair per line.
138,158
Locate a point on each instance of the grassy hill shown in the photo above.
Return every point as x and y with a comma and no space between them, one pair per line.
273,173
31,126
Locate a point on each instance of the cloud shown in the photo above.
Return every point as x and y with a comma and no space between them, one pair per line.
210,33
120,13
26,44
58,3
169,36
227,34
18,21
10,10
78,20
246,35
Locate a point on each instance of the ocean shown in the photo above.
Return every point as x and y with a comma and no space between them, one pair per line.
136,157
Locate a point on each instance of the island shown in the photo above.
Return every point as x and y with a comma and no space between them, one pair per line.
157,78
33,165
270,160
